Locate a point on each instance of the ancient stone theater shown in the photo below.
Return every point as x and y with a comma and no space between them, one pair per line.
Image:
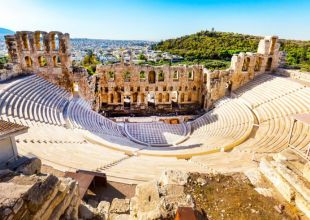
253,117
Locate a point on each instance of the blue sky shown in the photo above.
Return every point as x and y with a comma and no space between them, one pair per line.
158,19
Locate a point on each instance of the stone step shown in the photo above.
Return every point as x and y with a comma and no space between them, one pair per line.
288,179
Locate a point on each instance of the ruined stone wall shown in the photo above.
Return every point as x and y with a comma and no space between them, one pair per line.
142,84
244,67
49,56
42,53
135,87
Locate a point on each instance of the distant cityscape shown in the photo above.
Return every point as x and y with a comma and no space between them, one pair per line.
111,51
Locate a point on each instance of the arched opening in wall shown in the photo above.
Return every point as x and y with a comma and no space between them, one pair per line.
127,76
142,76
202,105
55,42
152,77
127,101
273,45
119,97
167,98
56,61
151,99
182,97
228,88
142,98
38,38
258,64
111,76
174,99
42,61
161,76
205,78
191,75
269,63
160,97
111,98
135,97
194,88
28,61
25,41
246,64
176,75
189,97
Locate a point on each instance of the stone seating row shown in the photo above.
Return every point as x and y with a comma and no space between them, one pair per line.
265,88
35,99
81,116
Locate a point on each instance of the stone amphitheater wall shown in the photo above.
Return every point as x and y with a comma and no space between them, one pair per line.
115,86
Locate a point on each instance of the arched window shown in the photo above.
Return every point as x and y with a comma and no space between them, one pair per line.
38,38
119,97
142,75
28,61
189,97
246,64
191,75
142,98
161,76
269,64
134,97
127,76
182,97
176,75
194,88
167,97
258,64
111,98
152,75
160,97
111,75
42,61
55,42
25,41
56,61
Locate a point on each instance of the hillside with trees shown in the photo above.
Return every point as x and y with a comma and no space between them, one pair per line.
215,49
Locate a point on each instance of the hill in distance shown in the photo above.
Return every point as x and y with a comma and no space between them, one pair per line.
215,49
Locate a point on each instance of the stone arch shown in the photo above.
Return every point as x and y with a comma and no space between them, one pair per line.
189,97
152,77
42,61
25,41
142,98
135,97
111,98
119,97
246,64
182,97
269,64
38,39
167,98
142,75
258,64
55,41
191,75
176,75
161,76
28,61
160,97
56,61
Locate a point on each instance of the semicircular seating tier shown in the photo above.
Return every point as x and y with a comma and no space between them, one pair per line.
65,133
274,100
